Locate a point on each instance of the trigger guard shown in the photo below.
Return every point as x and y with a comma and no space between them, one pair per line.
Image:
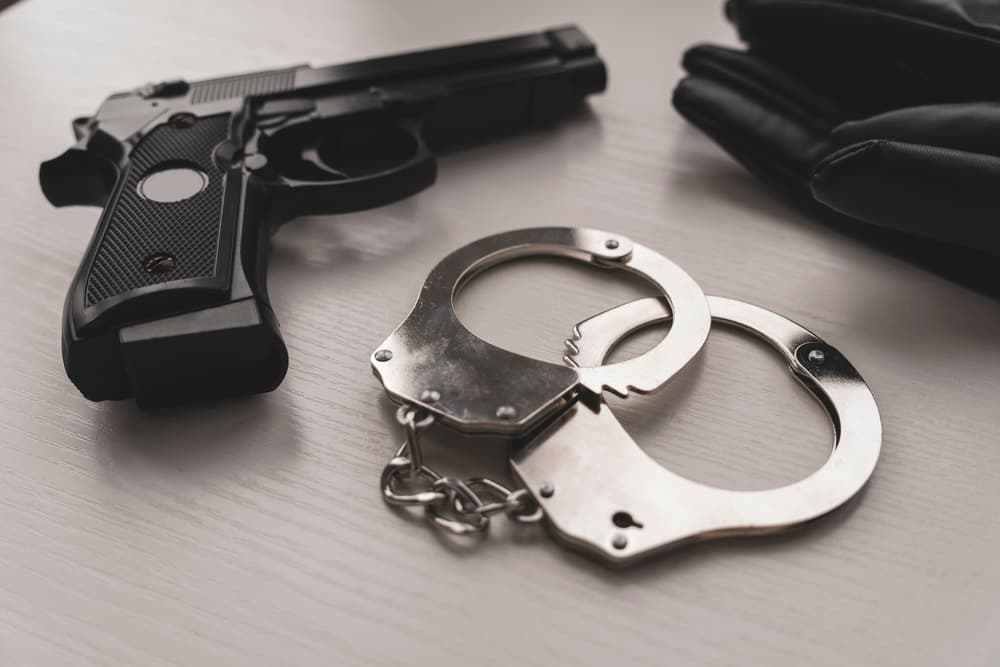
598,471
478,387
344,193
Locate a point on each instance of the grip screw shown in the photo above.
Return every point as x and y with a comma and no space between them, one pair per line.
159,263
182,121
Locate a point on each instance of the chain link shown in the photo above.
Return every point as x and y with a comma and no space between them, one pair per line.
463,507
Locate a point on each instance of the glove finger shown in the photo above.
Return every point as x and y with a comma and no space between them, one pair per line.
974,127
739,100
901,25
943,194
769,122
759,78
936,48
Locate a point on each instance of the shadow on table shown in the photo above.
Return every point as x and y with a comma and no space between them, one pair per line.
198,438
326,243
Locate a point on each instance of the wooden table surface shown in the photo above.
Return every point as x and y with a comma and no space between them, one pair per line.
252,532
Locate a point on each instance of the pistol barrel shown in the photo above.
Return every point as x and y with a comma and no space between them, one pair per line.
564,46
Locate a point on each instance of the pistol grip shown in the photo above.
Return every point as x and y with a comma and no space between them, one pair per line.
170,303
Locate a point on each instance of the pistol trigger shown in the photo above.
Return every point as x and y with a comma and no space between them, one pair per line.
311,156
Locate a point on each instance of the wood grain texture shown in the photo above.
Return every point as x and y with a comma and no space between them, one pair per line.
252,533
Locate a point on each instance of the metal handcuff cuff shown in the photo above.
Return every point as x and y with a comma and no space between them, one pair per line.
580,470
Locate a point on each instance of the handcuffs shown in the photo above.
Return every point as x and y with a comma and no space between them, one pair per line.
578,468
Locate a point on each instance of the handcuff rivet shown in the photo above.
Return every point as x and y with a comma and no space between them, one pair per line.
611,244
506,412
383,355
619,541
816,356
546,490
430,396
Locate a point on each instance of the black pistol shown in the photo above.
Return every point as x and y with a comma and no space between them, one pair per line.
170,303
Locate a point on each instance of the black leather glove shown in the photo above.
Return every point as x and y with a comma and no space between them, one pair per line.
885,111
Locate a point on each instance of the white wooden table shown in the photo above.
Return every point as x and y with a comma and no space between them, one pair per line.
252,532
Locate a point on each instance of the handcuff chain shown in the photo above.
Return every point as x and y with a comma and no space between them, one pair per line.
450,503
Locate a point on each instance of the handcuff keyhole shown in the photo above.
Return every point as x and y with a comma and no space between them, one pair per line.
624,520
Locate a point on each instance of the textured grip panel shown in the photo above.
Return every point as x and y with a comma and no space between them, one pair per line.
139,227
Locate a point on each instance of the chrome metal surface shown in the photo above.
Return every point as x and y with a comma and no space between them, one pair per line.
452,515
600,472
449,503
486,389
522,508
400,467
412,421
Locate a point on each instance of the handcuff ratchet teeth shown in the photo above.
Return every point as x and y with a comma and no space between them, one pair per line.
600,492
431,361
580,470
